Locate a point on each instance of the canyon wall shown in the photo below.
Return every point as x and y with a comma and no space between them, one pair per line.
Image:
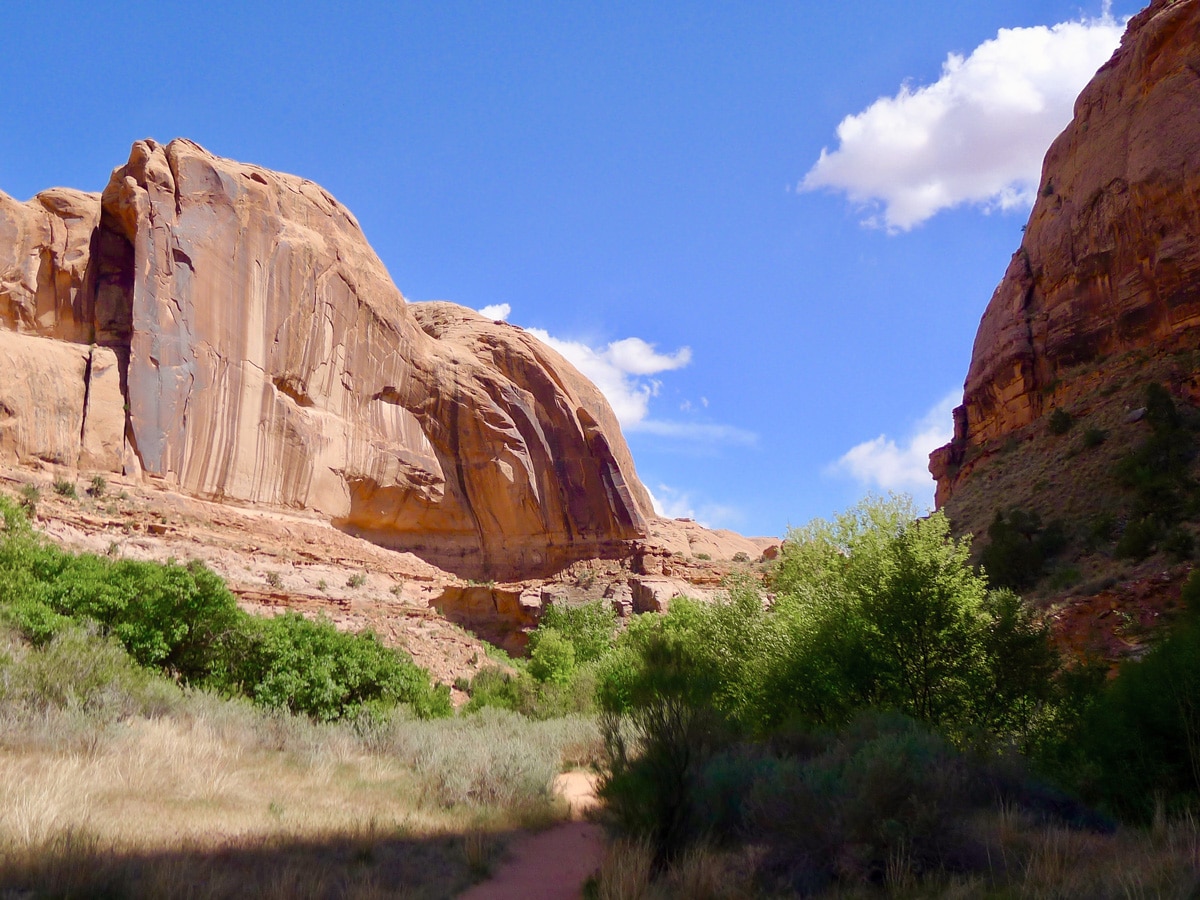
1110,260
228,330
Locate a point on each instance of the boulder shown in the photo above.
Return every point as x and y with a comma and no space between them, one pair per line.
655,594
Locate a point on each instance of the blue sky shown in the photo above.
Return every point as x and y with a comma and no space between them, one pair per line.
643,182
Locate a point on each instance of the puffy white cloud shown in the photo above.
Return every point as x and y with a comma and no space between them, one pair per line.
977,135
496,311
883,463
635,356
620,373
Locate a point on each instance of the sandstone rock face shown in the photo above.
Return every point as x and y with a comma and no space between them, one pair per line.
260,353
47,411
1110,261
46,281
656,594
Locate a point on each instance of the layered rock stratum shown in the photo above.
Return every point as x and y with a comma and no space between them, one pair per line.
227,331
1110,260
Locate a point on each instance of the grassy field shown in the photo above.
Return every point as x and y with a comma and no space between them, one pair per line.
115,782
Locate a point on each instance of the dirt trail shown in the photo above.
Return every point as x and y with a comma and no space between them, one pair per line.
552,864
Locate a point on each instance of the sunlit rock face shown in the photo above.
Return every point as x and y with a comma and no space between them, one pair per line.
229,330
1110,260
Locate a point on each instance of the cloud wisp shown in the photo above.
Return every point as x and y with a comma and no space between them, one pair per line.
902,467
976,136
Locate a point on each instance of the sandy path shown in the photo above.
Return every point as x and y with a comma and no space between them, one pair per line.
552,864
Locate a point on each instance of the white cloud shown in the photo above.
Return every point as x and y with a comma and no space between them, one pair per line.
635,356
619,370
882,463
496,311
977,135
671,503
700,431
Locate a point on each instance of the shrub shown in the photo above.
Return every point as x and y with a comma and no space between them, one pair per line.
310,667
30,495
551,657
654,754
183,620
494,687
1190,593
1141,739
1018,548
1138,539
1094,437
589,627
357,580
1157,469
741,557
1060,421
79,668
98,487
1179,544
890,614
65,488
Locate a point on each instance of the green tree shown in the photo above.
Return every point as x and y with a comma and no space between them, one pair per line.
880,608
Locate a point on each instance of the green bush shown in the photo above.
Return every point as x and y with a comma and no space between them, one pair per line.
65,488
309,667
30,495
84,670
1138,539
1140,741
184,621
1190,593
1094,437
656,751
496,688
589,627
1018,548
880,611
551,656
1157,470
1060,421
98,487
1179,544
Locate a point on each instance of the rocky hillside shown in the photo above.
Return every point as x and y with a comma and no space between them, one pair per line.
1101,301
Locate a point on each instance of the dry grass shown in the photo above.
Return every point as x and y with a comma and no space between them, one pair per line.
1025,860
230,801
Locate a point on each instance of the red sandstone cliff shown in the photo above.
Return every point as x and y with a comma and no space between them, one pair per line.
229,331
1110,261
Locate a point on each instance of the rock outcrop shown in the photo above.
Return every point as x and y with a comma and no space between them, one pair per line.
228,330
1110,261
